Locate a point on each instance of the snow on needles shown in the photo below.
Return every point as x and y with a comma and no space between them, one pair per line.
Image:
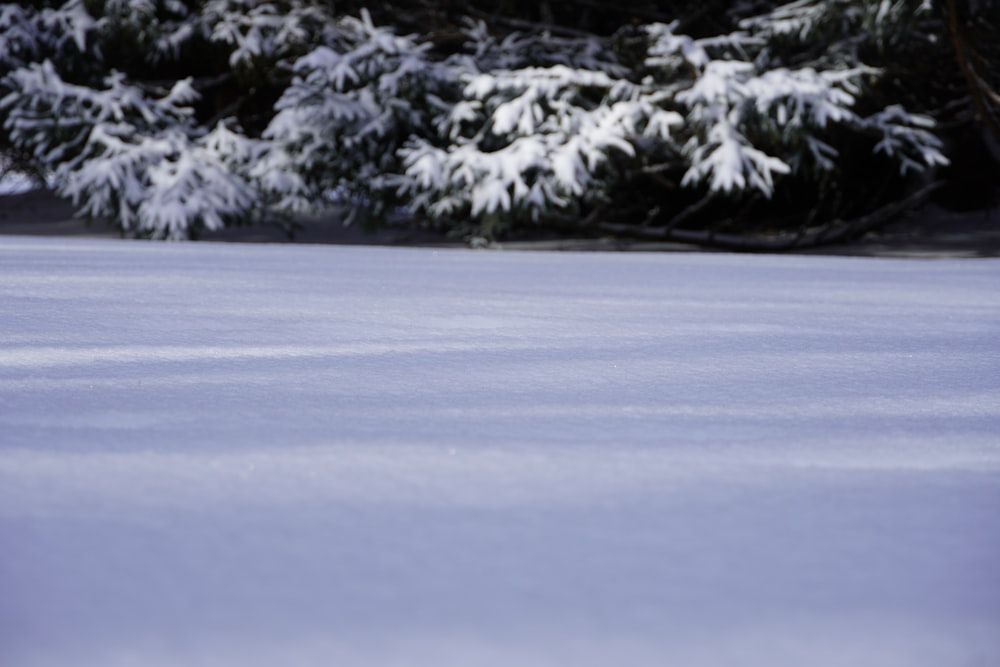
521,129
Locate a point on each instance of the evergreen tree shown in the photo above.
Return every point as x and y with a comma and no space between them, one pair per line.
758,124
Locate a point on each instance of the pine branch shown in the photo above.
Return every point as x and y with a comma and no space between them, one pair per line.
980,92
534,26
836,231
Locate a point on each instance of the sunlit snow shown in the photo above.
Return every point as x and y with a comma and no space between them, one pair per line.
250,456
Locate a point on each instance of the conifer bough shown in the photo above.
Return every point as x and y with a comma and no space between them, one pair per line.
761,125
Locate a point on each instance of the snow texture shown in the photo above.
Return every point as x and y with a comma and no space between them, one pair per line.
216,455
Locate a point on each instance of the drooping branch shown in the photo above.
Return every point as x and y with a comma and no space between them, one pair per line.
984,98
534,26
836,231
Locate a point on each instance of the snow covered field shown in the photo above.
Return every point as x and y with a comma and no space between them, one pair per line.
232,455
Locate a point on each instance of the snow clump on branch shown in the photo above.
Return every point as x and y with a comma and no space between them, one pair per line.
524,128
124,157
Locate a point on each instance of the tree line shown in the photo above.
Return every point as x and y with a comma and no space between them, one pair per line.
756,124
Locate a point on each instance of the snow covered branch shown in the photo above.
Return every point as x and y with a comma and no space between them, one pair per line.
494,130
123,157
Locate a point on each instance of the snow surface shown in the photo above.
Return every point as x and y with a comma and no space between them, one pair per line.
216,455
13,182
